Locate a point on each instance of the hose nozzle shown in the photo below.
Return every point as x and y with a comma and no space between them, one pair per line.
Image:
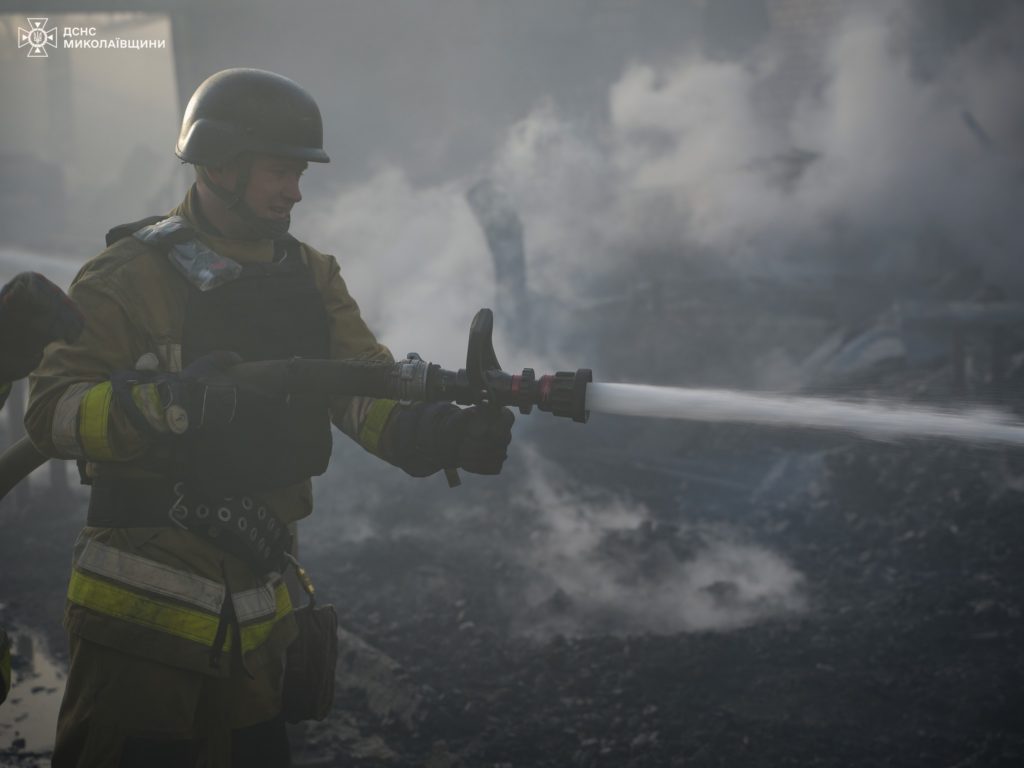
482,382
565,394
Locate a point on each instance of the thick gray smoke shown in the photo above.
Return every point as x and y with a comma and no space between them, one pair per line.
871,170
866,167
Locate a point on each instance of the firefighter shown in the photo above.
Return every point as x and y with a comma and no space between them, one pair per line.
177,614
33,313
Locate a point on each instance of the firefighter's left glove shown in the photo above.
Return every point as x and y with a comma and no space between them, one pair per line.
426,437
33,313
486,434
203,395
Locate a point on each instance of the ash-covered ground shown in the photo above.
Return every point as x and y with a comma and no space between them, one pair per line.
899,642
752,598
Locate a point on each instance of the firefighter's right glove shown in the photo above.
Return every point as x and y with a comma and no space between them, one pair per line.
203,395
33,312
427,437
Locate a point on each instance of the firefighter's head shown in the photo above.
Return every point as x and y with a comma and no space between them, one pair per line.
250,134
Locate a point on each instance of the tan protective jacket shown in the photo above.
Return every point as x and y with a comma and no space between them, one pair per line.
158,592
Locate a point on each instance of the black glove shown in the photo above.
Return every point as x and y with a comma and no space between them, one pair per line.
33,312
204,392
202,395
426,437
486,434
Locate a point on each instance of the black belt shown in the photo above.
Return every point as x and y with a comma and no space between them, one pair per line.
241,525
129,502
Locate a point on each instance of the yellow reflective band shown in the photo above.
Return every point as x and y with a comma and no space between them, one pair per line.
254,635
93,422
112,600
152,578
198,626
373,425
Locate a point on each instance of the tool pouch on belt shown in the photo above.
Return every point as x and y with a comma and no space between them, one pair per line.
311,660
240,525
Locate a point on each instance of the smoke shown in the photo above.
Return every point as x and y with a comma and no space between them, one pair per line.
861,164
576,559
602,563
870,170
871,166
13,260
415,260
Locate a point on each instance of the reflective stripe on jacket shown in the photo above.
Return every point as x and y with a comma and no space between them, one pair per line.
122,598
132,588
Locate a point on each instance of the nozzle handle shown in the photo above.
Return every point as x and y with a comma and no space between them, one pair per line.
480,357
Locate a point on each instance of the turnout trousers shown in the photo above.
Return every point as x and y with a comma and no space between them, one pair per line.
128,711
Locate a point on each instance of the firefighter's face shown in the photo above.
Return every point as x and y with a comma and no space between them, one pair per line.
274,185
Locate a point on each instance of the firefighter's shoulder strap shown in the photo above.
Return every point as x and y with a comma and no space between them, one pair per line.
156,230
122,231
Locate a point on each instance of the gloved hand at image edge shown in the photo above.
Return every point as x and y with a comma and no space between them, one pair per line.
33,313
424,438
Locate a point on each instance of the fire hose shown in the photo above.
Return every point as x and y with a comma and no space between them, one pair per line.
482,382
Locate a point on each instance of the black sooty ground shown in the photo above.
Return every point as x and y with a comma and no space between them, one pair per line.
467,641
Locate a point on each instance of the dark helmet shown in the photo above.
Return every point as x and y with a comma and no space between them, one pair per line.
250,110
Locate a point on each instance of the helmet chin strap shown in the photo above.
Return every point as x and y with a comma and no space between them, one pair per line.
259,226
